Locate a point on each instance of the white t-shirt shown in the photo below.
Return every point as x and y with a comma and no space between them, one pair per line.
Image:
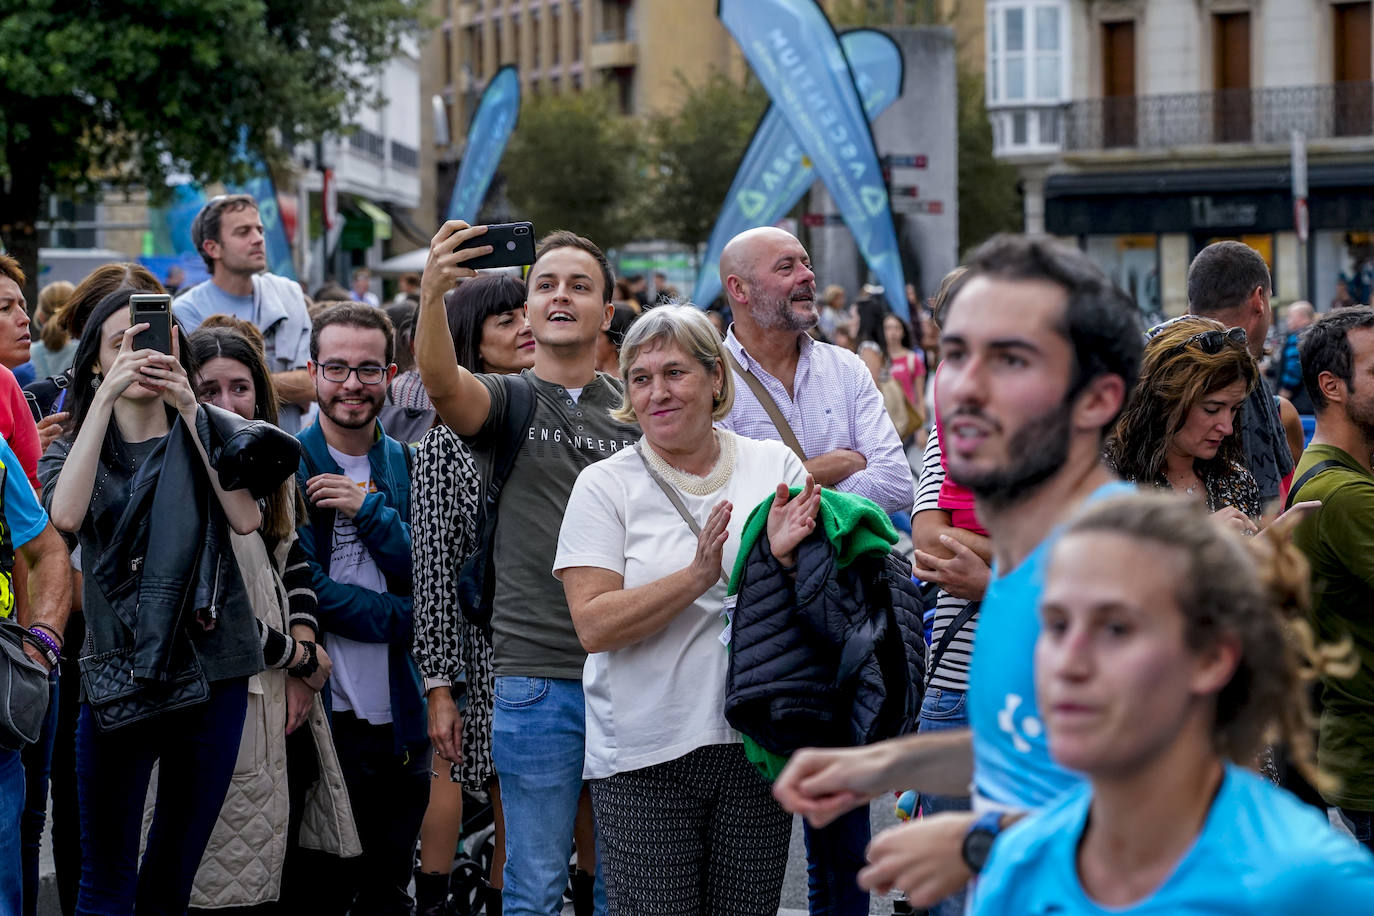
361,681
664,697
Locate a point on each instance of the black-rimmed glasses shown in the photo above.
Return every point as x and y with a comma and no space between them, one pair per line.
338,373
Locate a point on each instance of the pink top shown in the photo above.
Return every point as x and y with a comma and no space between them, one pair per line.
906,370
955,499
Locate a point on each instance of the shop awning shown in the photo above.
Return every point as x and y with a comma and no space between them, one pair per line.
381,220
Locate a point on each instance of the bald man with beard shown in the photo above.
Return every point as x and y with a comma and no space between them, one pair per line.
825,393
829,404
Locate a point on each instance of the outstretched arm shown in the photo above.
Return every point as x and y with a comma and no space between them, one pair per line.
461,401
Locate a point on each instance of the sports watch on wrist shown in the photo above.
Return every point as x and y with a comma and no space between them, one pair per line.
978,840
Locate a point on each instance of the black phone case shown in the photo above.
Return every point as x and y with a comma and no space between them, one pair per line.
159,336
508,249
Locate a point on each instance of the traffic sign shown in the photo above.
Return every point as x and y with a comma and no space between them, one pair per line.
913,161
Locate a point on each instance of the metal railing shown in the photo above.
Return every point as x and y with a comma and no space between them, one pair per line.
1258,116
366,141
404,156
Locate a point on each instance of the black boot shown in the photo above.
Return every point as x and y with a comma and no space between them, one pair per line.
583,884
431,894
492,897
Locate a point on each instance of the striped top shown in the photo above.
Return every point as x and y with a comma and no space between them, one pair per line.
953,671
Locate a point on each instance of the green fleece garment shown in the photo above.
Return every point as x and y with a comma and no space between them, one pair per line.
856,527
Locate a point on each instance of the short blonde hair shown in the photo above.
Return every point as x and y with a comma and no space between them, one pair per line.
689,328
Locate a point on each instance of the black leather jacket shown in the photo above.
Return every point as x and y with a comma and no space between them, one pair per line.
165,569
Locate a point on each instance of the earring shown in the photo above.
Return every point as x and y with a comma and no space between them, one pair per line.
95,380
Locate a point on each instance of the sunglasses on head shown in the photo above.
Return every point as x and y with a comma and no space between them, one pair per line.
1211,342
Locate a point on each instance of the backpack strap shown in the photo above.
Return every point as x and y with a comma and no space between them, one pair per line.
519,415
1311,472
765,400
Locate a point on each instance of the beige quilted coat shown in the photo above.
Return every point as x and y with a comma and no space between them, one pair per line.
242,865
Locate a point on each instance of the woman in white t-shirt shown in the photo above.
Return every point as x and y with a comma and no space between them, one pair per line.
682,815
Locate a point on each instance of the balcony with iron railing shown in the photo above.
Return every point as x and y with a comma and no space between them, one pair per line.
1252,116
1255,117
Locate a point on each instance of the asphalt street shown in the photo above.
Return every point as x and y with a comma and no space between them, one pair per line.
793,891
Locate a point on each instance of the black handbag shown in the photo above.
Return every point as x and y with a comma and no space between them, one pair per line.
23,690
117,699
247,454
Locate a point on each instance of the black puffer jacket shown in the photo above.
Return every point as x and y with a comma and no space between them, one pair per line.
833,658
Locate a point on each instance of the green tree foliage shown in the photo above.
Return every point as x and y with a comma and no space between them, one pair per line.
695,153
574,162
989,191
126,92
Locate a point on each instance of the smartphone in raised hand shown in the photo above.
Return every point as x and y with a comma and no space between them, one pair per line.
512,245
154,309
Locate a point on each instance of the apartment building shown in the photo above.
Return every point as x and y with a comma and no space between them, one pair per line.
642,50
1145,129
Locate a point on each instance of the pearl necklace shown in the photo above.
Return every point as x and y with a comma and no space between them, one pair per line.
691,483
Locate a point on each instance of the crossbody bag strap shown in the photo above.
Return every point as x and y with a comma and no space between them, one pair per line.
789,438
1311,472
675,499
963,617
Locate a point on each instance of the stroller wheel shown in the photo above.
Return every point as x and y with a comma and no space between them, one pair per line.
465,888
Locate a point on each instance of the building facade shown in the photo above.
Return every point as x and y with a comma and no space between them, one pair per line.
1145,129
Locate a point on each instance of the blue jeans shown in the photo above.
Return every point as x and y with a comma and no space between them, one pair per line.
37,765
944,710
11,810
196,749
834,855
1361,824
538,734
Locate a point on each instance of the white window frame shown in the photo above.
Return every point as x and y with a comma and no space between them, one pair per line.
1002,110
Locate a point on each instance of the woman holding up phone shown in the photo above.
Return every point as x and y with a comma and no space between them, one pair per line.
163,598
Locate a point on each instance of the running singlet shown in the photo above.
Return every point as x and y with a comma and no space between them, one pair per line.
1260,851
1012,768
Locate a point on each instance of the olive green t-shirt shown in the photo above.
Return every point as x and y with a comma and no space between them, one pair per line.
1338,540
532,630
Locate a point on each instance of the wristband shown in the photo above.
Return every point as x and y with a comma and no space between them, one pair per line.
44,644
309,664
55,635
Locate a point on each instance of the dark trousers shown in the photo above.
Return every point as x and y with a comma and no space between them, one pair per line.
66,815
388,793
700,835
196,749
834,856
37,764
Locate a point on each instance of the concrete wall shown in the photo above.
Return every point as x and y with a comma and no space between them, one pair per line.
680,39
923,121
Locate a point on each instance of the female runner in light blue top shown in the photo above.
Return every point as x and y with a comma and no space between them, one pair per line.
1166,658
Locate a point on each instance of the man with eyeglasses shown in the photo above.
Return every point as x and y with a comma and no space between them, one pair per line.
228,234
1229,281
356,482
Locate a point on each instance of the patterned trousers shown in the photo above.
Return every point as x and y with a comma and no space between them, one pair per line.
701,834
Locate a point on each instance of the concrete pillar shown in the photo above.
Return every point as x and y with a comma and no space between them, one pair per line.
1173,273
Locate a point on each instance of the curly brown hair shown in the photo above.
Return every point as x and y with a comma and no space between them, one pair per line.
1174,376
1255,590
